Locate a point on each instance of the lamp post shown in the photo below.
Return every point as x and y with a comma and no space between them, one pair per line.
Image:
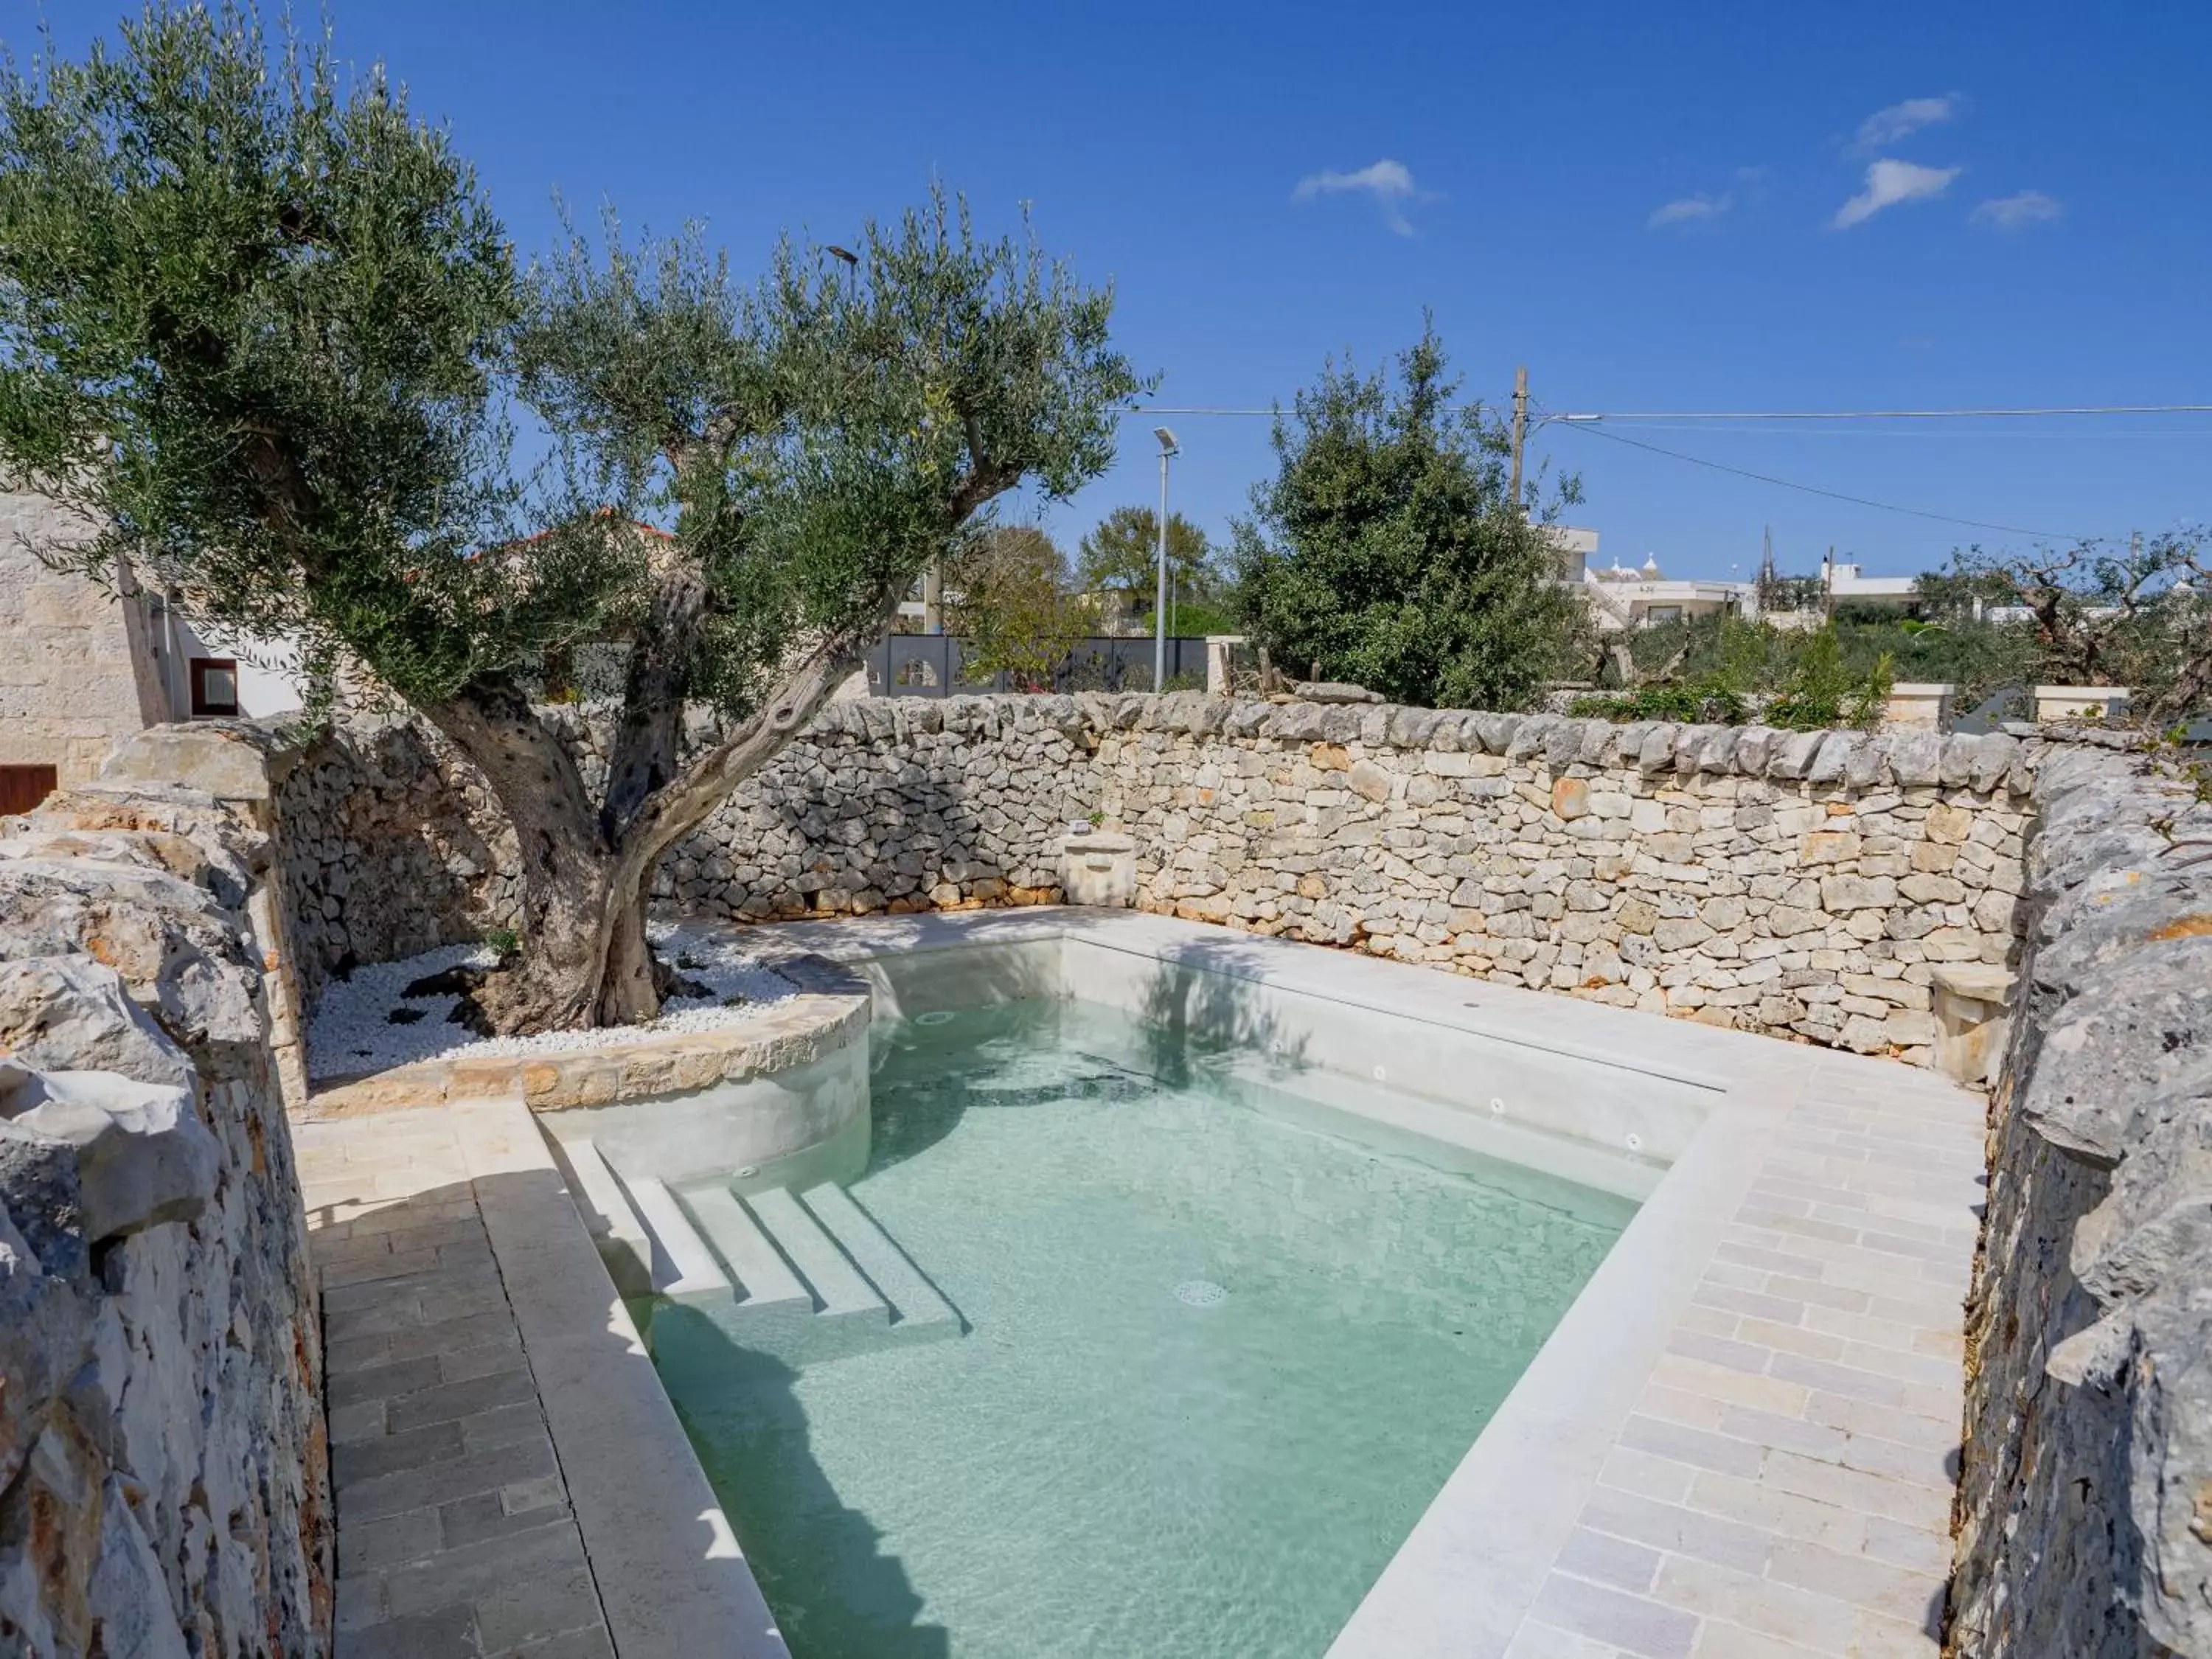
1168,453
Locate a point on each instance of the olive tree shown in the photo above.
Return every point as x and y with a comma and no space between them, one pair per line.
259,323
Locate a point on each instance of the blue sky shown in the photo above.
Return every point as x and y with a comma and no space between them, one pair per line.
1651,206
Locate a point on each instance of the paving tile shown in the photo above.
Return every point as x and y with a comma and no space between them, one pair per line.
1698,1447
591,1643
1709,1591
1646,1476
1609,1560
447,1632
1850,1489
441,1483
379,1382
1876,1586
388,1454
530,1559
446,1402
1535,1640
1671,1527
1629,1622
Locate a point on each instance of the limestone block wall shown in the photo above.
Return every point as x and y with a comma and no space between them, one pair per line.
2085,1503
70,669
1799,883
388,846
164,1481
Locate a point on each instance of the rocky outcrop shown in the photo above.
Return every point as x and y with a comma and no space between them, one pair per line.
2085,1502
164,1487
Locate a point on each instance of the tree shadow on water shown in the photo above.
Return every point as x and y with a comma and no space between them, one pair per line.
835,1594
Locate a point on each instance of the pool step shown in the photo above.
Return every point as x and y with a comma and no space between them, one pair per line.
683,1268
774,1269
913,1298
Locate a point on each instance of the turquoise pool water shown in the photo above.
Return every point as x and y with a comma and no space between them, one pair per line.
1220,1353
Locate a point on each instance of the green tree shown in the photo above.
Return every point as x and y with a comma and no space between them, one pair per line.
1120,557
261,325
1014,603
1389,550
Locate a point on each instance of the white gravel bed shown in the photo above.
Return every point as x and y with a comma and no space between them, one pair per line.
353,1031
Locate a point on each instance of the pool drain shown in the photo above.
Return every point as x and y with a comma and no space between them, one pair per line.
1200,1293
936,1018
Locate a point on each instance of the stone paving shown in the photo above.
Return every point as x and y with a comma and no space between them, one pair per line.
1784,1487
456,1535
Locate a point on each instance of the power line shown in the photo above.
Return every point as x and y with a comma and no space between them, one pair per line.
1883,414
1815,489
1586,417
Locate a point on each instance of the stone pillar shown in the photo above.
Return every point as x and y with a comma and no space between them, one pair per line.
1972,1008
1918,704
1220,668
2080,703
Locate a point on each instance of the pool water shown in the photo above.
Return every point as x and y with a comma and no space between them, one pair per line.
1219,1358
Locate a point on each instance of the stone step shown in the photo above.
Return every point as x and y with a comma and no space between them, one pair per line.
684,1268
840,1292
915,1302
764,1279
624,1244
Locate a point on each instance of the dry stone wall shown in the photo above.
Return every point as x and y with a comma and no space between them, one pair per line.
164,1482
389,847
2085,1502
1802,883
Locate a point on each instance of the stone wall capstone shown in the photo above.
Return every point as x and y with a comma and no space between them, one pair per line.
2085,1502
164,1480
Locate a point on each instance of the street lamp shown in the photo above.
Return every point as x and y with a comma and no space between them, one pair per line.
1168,453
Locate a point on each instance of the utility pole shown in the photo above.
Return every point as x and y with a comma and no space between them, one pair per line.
1169,451
1520,427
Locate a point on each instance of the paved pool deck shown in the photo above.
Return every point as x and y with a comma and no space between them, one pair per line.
1739,1440
511,1479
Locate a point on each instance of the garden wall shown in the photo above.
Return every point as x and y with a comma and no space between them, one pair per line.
1803,883
2085,1503
164,1481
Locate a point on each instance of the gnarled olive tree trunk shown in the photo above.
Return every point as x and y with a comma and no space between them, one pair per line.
583,959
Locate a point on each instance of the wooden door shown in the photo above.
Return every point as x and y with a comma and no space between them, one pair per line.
23,788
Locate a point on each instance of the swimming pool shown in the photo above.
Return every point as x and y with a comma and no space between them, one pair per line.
1201,1317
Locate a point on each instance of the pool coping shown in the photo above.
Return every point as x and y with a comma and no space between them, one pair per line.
1467,1580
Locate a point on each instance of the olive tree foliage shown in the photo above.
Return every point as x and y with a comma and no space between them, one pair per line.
1388,550
2137,615
260,324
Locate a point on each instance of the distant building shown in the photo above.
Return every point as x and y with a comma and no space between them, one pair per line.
82,668
1623,598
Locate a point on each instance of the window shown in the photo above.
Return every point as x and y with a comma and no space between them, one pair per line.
1663,613
215,685
23,788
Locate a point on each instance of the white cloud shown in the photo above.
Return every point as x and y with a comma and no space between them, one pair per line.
1390,183
1691,209
1885,126
2030,207
1889,182
1750,186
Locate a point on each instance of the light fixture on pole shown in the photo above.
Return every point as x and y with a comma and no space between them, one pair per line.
1169,451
